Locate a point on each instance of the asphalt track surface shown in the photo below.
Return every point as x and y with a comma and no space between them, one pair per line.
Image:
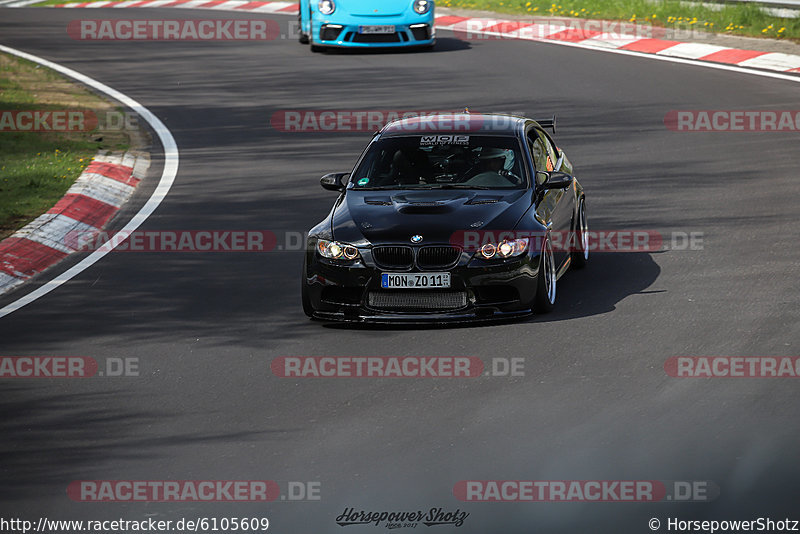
595,402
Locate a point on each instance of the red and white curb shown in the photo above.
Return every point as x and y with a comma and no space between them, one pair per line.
94,198
555,31
564,32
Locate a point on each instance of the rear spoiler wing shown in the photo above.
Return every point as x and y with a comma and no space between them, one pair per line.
548,123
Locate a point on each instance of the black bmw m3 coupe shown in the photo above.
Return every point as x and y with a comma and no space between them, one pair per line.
448,217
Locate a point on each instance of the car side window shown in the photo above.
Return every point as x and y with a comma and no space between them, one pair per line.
538,155
551,152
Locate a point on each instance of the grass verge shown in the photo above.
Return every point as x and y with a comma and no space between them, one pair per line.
37,167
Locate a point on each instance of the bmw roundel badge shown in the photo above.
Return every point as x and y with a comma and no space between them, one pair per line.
416,238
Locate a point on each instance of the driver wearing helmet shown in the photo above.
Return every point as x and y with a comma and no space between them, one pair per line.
493,168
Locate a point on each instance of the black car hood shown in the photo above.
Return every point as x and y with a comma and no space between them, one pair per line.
375,217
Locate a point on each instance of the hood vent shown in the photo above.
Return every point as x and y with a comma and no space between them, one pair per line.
484,200
421,206
378,201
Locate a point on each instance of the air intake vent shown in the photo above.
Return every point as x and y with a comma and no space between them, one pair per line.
377,202
393,257
376,38
437,257
484,200
410,300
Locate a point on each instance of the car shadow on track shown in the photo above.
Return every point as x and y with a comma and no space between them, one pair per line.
443,44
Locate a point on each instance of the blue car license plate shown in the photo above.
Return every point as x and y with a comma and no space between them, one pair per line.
376,29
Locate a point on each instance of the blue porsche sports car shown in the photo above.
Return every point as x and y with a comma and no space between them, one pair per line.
366,23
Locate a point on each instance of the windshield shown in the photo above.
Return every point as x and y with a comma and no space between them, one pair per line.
441,162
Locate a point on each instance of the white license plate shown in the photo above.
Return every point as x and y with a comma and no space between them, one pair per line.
415,280
376,29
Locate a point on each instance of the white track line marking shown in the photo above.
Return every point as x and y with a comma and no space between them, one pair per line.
171,158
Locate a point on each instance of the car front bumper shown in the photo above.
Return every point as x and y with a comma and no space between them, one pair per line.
479,291
343,31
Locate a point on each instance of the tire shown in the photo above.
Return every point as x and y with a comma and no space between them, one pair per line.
303,38
546,280
580,256
307,308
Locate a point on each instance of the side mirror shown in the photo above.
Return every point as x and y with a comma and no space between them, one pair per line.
333,181
556,180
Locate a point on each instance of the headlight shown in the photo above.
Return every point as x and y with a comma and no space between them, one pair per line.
422,6
504,249
337,251
326,7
